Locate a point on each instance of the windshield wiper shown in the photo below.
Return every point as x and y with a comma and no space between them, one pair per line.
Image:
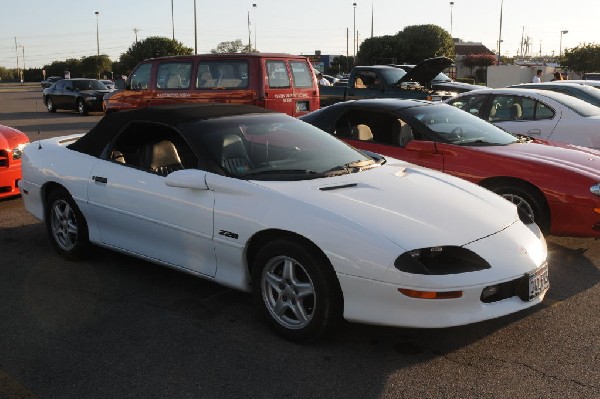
279,172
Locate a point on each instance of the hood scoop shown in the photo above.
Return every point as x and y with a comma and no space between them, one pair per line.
330,188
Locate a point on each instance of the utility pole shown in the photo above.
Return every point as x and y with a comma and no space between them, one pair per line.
136,30
17,51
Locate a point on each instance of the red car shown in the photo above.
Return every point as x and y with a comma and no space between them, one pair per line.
12,143
558,186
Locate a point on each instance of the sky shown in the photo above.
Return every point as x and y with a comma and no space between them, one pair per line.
46,31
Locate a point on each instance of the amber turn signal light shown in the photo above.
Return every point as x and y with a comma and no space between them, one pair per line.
430,294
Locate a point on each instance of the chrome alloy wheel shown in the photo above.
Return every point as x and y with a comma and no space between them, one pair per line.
521,203
63,225
288,292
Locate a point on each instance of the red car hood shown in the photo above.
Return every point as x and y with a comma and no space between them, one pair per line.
579,159
10,138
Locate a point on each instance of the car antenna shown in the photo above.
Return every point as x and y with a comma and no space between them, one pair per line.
38,129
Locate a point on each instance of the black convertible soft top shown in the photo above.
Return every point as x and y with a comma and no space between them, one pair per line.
94,141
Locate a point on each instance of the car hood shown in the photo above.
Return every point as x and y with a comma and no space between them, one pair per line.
425,71
10,138
574,158
413,207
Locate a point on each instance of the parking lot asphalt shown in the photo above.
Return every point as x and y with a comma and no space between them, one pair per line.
118,327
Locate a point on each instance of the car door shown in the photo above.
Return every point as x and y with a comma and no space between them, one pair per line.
138,213
523,115
58,94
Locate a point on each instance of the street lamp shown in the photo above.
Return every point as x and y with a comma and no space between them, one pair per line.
195,31
354,34
562,32
97,35
451,6
255,27
173,20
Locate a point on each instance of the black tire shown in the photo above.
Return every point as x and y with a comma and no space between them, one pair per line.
528,201
50,105
66,225
82,107
296,291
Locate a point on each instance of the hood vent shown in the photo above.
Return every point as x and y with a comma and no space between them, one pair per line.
337,187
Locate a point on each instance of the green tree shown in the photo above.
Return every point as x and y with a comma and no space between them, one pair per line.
151,47
416,43
235,46
95,66
375,49
583,58
478,60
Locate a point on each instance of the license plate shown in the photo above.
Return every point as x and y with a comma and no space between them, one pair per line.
538,282
302,106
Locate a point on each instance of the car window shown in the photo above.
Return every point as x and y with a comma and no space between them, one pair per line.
301,74
375,126
225,74
542,111
365,79
451,125
140,78
174,75
153,148
270,147
470,104
277,75
59,85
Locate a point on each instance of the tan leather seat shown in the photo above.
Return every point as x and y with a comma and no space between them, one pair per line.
516,112
358,84
364,133
162,158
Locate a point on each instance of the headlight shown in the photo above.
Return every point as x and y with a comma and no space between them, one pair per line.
17,152
595,189
440,260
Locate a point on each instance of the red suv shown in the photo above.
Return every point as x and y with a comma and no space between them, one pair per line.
281,82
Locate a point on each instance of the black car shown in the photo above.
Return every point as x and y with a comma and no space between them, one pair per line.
82,95
50,81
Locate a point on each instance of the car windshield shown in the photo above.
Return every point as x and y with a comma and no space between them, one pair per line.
276,147
393,75
452,125
442,77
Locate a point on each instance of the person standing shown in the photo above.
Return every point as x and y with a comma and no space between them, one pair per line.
538,77
322,81
557,76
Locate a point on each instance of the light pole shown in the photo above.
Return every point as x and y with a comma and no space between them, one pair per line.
562,32
354,34
451,6
97,35
173,19
255,27
500,33
195,31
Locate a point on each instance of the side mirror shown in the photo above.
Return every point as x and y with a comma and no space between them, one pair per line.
188,178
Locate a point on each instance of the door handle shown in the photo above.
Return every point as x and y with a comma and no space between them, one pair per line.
100,179
534,131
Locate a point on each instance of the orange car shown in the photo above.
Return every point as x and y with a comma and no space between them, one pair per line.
12,142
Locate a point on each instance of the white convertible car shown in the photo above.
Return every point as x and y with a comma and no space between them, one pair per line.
263,202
